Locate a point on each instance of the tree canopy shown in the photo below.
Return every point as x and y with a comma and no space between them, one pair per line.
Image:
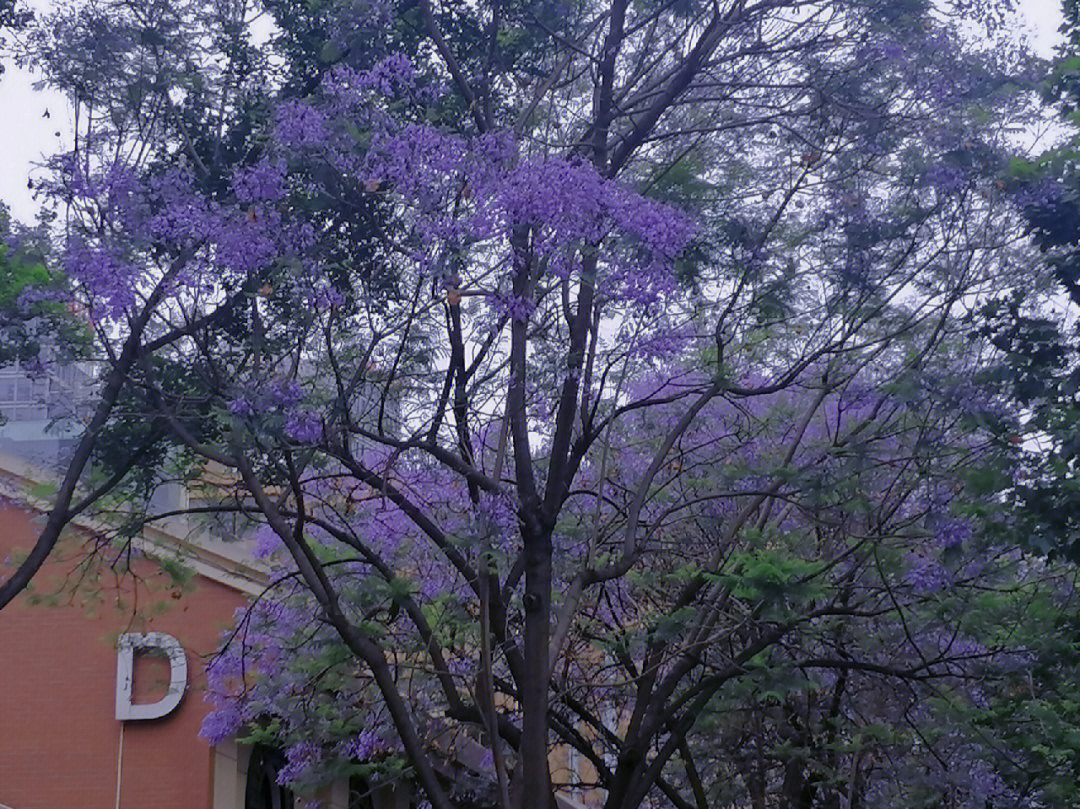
643,385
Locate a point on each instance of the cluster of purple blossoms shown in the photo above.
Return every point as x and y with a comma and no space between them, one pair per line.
300,125
276,395
267,543
470,191
952,532
304,427
299,759
222,723
241,406
513,307
109,276
1044,192
168,215
570,208
263,182
369,744
946,180
926,575
388,77
281,398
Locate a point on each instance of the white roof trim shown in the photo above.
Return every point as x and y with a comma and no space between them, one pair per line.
246,575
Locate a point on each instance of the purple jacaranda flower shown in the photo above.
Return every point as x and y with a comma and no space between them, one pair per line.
515,308
926,575
241,406
945,179
222,723
263,182
953,532
284,393
369,744
299,758
300,125
267,542
304,427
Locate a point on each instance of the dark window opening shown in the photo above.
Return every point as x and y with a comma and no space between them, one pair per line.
360,794
262,790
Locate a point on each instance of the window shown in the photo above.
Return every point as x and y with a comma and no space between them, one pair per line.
261,790
360,794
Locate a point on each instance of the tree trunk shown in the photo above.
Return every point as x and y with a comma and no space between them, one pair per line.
535,775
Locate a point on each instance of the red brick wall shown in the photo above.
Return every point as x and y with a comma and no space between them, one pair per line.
58,736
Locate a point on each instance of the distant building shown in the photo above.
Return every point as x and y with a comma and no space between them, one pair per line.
91,714
101,688
42,413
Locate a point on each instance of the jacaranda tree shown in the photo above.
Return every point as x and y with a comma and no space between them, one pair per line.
596,377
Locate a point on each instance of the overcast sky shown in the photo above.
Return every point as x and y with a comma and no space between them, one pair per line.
26,135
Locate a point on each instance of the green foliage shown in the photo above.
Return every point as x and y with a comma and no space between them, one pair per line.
33,314
772,579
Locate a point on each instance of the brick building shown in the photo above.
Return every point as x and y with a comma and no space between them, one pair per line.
67,737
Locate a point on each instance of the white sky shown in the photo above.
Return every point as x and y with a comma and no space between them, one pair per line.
26,135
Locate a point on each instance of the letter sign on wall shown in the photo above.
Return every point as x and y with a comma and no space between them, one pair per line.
125,667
